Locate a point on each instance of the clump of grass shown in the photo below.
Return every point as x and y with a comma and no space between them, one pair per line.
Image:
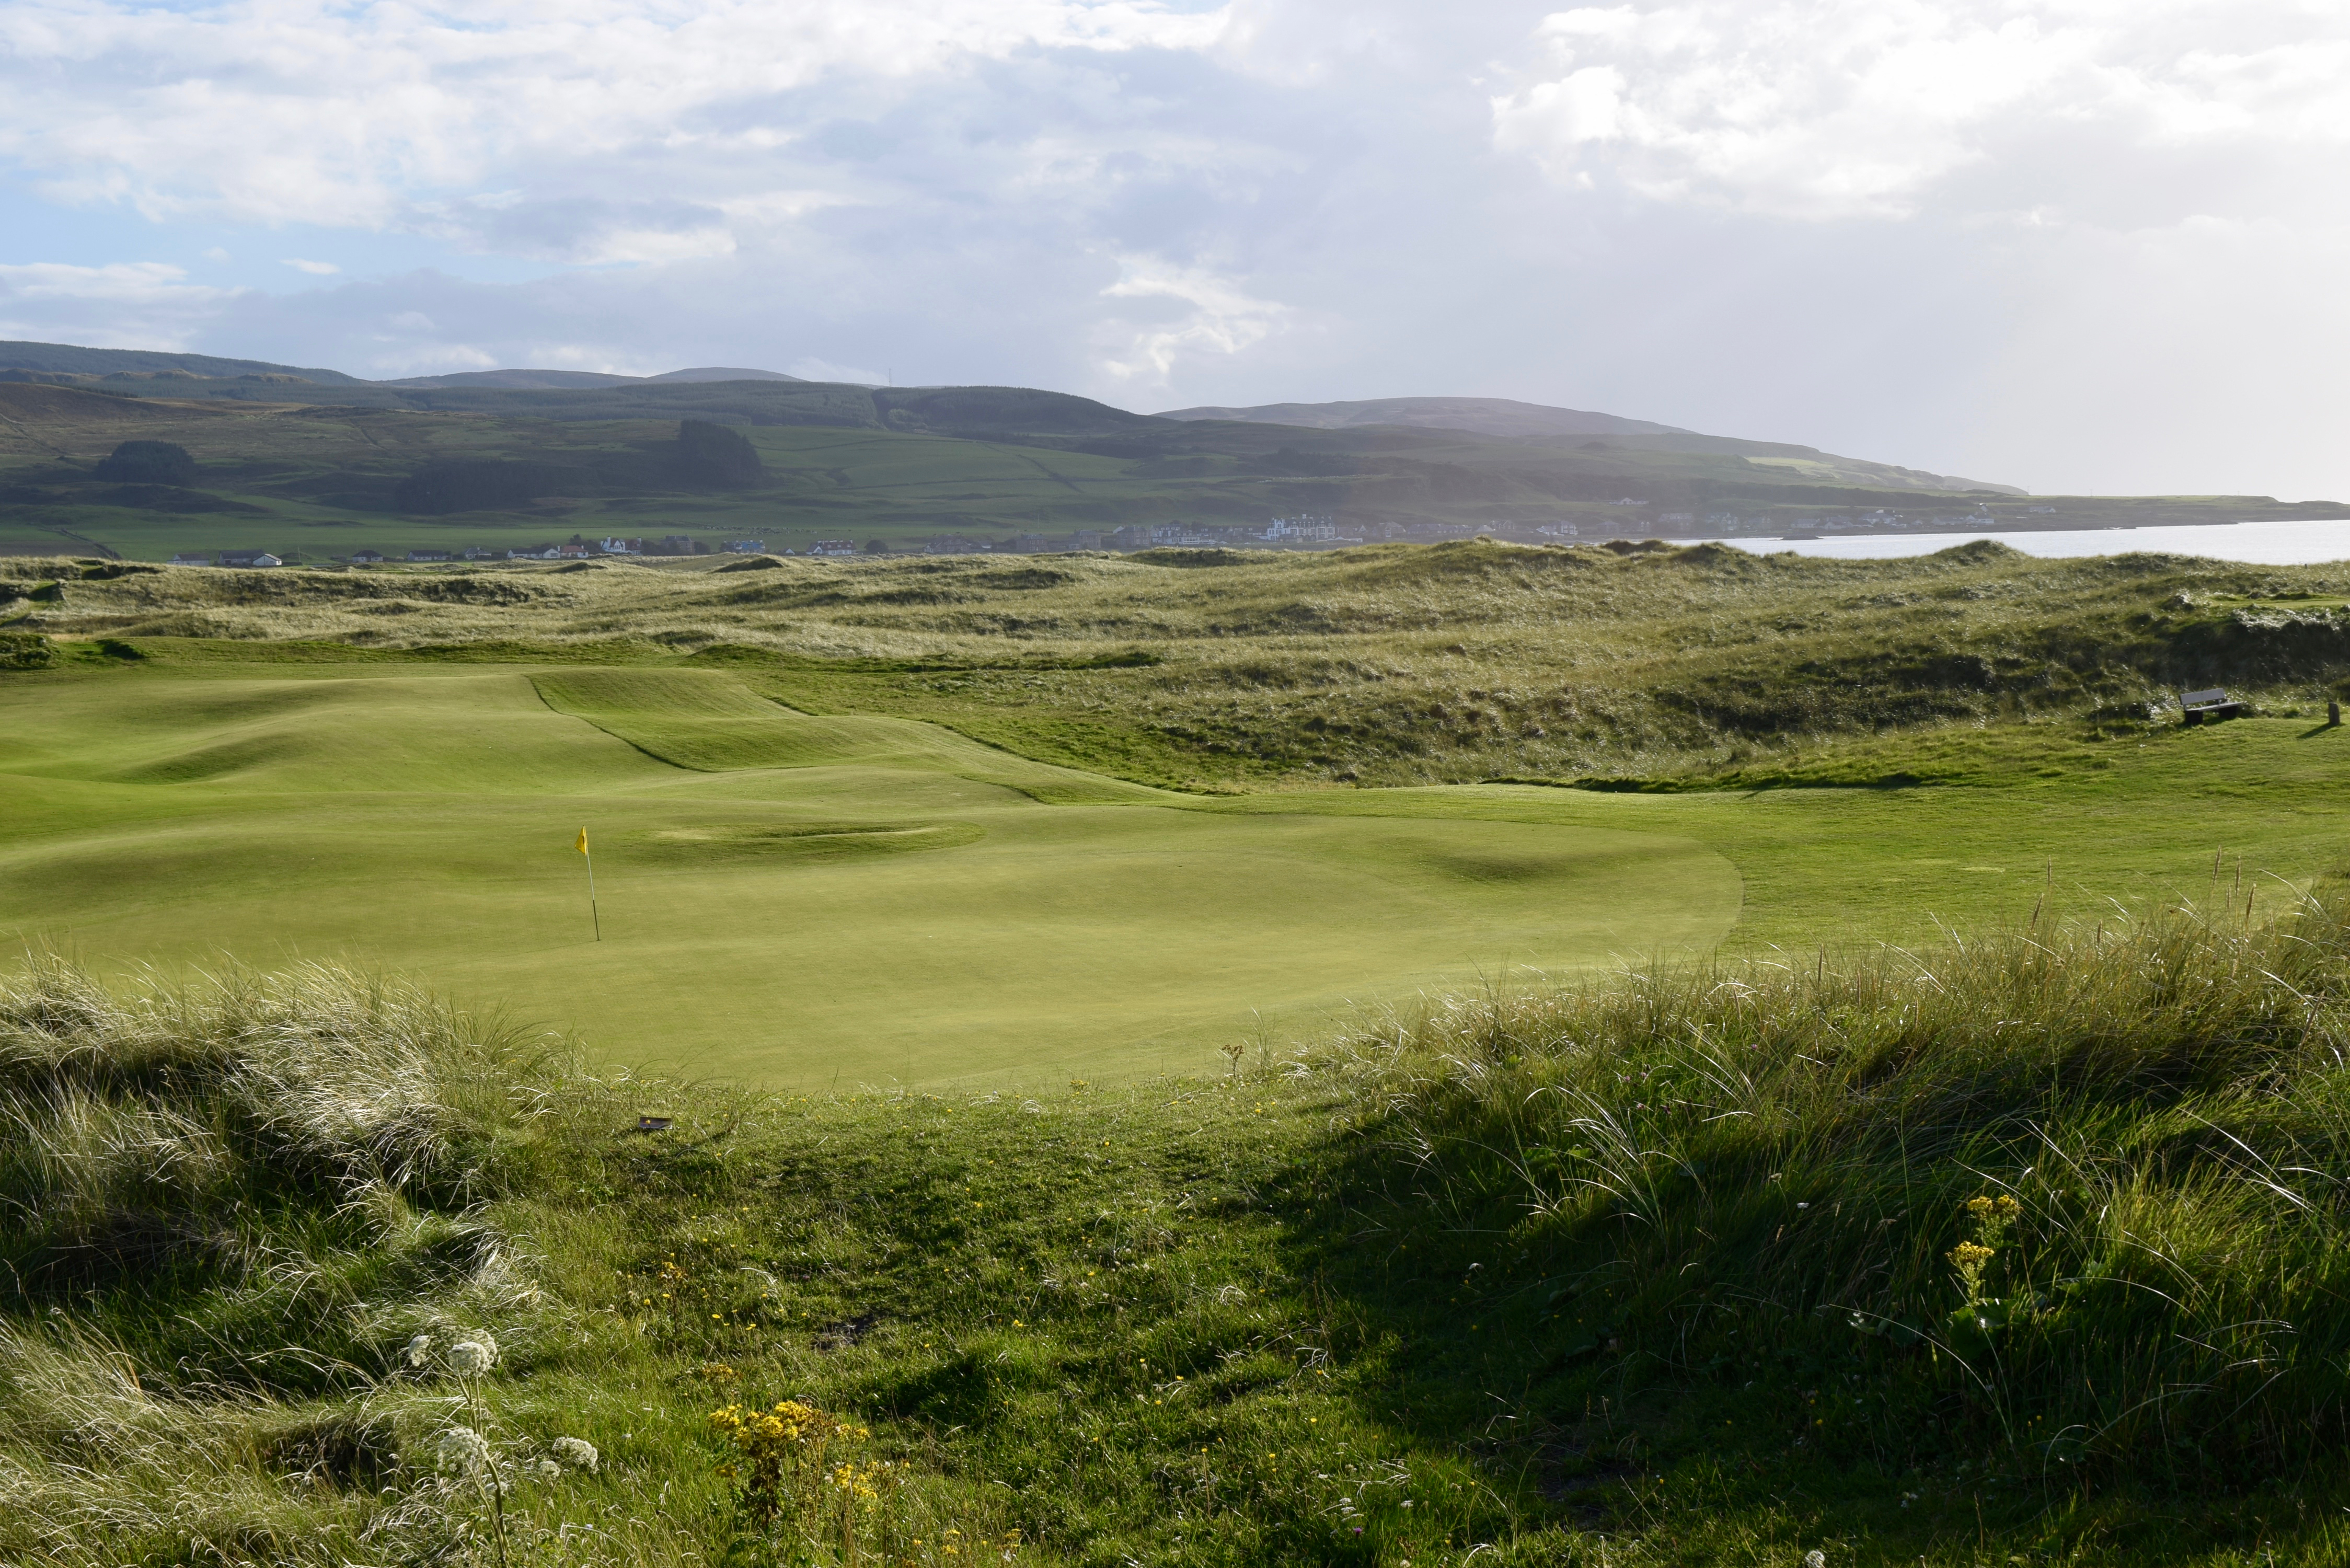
2075,1202
195,1131
221,1203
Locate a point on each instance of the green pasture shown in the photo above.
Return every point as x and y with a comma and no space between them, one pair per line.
817,900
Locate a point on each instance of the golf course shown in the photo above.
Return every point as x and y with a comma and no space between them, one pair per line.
796,900
1464,1054
783,899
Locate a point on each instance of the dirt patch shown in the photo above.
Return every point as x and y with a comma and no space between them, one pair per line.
846,1332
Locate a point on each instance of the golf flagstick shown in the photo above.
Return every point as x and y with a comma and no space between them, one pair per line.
592,915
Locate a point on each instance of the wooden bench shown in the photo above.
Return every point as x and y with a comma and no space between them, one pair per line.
2196,706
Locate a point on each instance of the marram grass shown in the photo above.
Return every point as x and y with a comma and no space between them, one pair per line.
2072,1203
1380,665
2026,1248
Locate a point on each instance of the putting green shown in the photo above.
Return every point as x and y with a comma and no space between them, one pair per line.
786,899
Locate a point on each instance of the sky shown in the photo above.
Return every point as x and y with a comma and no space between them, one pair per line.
2077,246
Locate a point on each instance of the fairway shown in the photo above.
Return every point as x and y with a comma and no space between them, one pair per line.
812,901
789,899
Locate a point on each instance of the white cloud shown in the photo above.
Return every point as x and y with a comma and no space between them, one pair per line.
2062,243
314,269
127,305
351,116
1203,314
1833,108
122,282
808,367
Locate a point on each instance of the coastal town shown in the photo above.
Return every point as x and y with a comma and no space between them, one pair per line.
1302,532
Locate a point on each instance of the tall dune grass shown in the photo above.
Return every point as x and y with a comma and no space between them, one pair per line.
223,1204
1767,1177
1388,664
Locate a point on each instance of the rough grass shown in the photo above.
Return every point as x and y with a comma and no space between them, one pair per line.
1654,1268
1702,1176
224,1202
1396,664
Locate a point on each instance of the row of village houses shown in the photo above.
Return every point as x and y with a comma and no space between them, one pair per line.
1297,530
575,549
1283,532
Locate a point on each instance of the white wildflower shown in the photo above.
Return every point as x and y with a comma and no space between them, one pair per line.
1816,1559
418,1348
471,1357
547,1470
464,1450
577,1452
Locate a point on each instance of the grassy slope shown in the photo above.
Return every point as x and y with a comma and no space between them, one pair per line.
850,899
1526,1266
1497,1285
784,898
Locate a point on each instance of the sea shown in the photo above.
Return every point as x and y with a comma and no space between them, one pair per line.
2260,544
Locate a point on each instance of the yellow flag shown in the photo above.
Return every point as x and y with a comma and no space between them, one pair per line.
582,844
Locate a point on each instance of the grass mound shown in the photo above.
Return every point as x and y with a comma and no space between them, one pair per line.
176,1138
2070,1207
226,1205
2029,1246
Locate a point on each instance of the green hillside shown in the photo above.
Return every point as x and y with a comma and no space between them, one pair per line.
318,471
1632,667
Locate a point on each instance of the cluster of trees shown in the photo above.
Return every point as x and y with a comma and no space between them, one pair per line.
716,455
148,462
705,456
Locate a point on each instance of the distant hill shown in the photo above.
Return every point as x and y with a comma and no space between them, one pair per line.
66,358
1478,416
724,373
517,380
517,449
1502,419
577,380
67,364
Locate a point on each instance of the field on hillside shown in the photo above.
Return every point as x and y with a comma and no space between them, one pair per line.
1386,665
